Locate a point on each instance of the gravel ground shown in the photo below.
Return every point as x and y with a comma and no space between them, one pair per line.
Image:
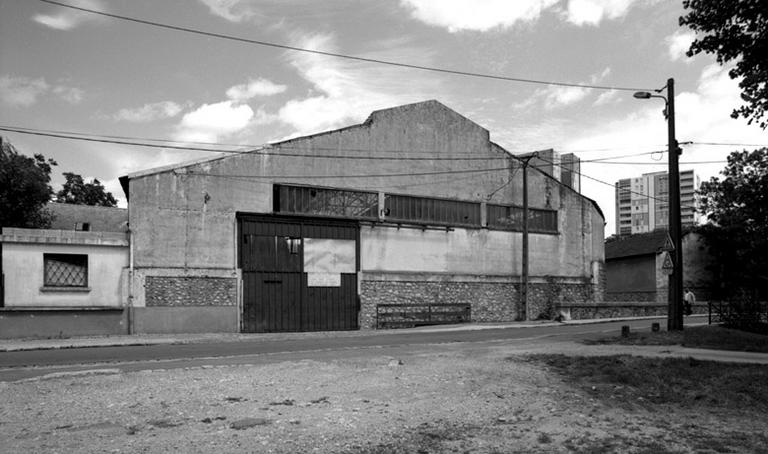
463,399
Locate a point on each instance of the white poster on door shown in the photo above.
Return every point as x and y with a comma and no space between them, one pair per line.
323,280
329,256
325,260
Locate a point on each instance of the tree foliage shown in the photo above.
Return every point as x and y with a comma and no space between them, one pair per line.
735,30
737,208
24,188
80,192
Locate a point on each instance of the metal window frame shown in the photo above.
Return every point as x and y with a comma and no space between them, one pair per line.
288,205
432,210
533,224
63,257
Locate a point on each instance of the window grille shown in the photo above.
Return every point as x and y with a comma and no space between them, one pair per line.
511,218
431,211
326,202
66,270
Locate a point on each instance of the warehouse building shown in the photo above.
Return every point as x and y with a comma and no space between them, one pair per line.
414,214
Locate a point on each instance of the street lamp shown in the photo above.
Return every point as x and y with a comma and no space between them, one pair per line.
675,296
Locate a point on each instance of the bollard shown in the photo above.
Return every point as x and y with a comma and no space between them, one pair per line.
655,327
625,331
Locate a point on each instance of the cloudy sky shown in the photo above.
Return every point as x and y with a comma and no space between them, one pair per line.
67,70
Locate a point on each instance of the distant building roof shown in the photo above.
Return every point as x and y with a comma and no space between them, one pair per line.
68,216
640,244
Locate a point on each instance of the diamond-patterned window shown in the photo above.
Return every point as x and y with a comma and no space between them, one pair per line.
66,270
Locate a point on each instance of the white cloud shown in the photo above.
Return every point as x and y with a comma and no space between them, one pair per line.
210,121
592,12
556,96
71,95
608,97
24,91
67,18
149,112
478,15
21,91
254,87
678,44
232,10
346,92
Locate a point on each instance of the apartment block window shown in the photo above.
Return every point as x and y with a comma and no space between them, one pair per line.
66,270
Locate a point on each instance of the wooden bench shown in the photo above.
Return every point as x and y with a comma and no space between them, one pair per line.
409,315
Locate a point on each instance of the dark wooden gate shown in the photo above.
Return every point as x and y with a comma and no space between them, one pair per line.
298,274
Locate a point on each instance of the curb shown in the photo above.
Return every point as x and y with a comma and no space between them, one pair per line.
127,341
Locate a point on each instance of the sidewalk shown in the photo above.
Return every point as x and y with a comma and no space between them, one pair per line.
10,345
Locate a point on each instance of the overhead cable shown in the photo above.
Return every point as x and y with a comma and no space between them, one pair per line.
338,55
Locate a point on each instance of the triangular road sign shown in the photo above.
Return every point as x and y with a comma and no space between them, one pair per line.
668,244
667,265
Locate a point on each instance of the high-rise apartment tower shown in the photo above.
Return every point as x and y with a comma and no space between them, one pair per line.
642,202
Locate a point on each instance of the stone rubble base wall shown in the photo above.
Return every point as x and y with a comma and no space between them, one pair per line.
490,301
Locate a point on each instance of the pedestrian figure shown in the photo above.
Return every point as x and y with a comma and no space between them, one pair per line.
690,300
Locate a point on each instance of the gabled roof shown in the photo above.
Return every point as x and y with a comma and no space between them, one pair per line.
100,219
639,244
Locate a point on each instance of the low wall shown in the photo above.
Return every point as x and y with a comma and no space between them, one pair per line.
492,298
17,323
617,309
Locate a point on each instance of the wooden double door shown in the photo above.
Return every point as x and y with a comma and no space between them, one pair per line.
299,274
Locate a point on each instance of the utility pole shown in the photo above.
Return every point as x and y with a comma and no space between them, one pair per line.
524,272
675,317
675,296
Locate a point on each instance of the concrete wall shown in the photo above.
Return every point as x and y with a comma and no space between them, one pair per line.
23,267
16,323
642,279
184,218
631,278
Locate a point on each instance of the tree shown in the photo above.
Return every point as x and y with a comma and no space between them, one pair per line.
24,188
737,208
735,30
77,191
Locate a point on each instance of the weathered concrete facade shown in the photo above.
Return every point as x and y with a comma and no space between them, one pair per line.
185,240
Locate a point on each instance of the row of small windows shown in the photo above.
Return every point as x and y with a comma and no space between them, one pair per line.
364,205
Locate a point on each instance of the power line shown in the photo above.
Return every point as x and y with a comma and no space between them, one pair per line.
85,134
338,55
383,175
622,156
658,163
614,186
729,144
263,149
182,144
115,141
260,150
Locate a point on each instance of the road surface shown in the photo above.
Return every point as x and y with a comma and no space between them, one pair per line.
18,365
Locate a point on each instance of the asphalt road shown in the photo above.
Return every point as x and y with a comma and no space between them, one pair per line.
27,364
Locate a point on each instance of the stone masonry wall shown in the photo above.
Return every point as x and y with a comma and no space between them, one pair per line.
631,296
544,299
491,301
190,291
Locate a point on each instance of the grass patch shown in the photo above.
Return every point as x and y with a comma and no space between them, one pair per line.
631,381
710,336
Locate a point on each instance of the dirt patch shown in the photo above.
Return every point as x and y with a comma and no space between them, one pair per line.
485,400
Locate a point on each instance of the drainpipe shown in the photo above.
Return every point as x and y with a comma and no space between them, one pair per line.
129,309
